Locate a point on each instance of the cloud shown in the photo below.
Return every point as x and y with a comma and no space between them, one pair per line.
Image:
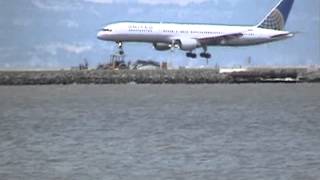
53,5
22,22
135,10
76,49
148,2
53,48
174,2
37,62
69,23
78,5
5,52
100,1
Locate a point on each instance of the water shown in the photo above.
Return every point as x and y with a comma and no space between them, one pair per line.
125,132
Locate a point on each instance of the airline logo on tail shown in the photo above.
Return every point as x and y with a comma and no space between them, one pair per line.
277,18
274,21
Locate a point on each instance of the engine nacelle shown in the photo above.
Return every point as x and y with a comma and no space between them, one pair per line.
161,46
188,44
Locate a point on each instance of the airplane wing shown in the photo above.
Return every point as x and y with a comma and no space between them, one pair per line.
220,38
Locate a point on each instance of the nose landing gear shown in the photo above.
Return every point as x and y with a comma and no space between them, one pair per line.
120,48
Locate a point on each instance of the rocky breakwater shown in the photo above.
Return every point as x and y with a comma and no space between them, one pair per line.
110,77
310,76
153,77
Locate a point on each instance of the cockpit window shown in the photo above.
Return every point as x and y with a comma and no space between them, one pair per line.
108,30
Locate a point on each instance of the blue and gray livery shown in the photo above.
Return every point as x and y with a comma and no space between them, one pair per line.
277,18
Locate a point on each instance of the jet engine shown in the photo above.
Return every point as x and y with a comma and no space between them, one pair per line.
161,46
188,44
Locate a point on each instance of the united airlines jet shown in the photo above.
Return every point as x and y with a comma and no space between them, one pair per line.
188,37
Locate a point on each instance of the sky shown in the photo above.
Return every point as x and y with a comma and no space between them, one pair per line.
61,33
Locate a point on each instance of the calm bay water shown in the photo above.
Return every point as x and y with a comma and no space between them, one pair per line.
125,132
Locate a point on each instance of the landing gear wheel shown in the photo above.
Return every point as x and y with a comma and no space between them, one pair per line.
205,55
191,55
121,52
120,47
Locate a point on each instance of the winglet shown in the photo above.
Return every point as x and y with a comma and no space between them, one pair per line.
277,18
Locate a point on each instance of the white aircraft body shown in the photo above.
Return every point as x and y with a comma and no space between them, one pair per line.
188,37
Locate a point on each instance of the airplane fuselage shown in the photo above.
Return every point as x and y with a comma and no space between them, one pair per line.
188,37
167,32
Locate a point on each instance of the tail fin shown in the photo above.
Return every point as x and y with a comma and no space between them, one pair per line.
277,18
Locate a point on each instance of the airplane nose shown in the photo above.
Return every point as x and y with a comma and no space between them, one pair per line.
100,35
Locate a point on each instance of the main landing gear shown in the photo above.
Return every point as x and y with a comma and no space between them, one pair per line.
194,55
204,54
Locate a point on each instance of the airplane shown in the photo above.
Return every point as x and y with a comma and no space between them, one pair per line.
188,37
